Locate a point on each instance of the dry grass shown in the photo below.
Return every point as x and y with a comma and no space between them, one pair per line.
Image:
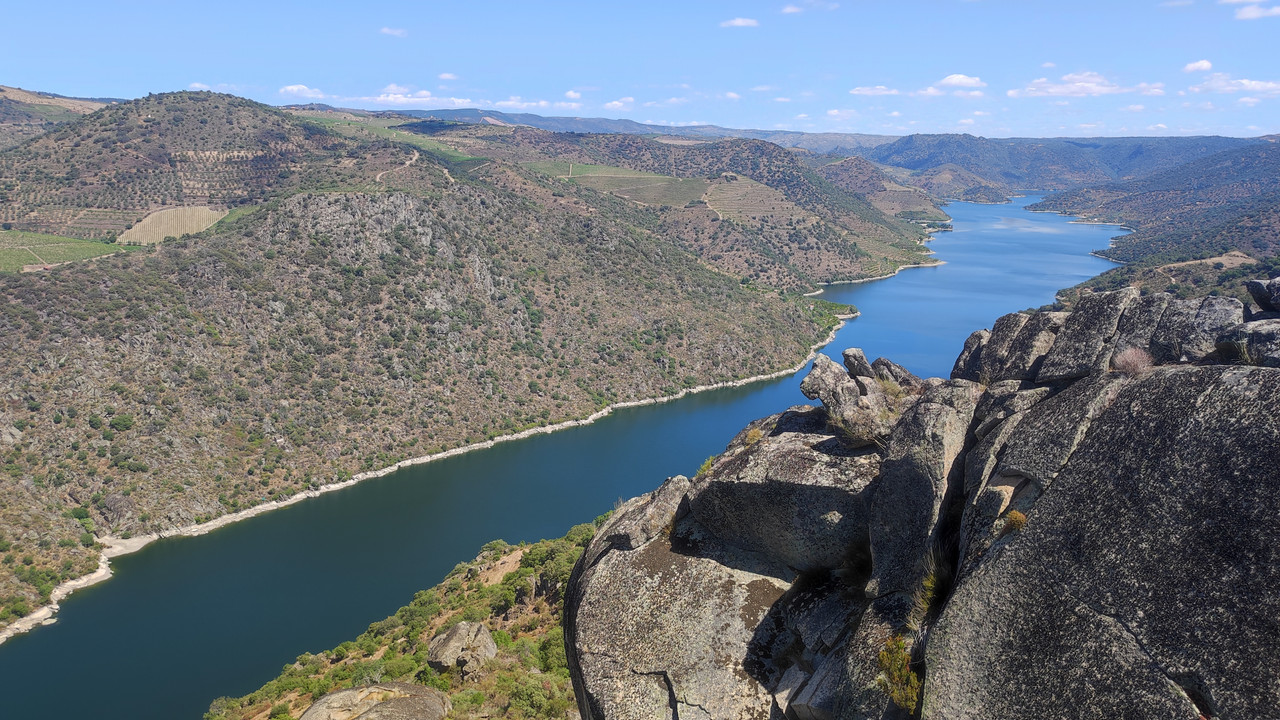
173,222
76,106
1133,362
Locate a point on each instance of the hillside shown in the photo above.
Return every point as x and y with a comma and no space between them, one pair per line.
97,176
321,334
1046,163
861,177
24,114
831,235
1205,207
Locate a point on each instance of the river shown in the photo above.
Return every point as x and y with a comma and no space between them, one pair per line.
188,619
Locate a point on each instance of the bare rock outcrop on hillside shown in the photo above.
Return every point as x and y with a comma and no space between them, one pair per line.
1083,519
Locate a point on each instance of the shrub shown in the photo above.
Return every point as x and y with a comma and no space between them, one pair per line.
1133,362
706,466
279,710
1014,521
753,436
896,678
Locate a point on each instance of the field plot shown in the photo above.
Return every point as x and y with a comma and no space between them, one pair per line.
173,222
643,187
676,192
746,201
385,128
19,250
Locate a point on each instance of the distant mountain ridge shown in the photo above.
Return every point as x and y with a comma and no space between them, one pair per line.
839,143
1051,163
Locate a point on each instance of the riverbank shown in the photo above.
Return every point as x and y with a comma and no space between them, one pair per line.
114,547
859,281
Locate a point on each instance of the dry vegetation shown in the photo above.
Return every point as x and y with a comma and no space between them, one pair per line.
171,222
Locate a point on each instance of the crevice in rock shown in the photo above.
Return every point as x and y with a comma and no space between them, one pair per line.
672,701
1189,684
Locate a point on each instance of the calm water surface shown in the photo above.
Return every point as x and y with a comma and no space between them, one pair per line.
188,619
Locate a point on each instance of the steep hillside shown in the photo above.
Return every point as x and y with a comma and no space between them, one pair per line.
99,175
327,334
1050,163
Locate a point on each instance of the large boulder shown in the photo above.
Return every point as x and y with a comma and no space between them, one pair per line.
384,701
466,646
1143,584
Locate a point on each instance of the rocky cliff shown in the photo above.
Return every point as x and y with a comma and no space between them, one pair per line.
1081,521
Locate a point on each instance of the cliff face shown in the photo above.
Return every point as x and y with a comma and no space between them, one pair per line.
1082,520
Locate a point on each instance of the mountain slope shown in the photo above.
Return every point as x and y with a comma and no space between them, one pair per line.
1228,201
104,172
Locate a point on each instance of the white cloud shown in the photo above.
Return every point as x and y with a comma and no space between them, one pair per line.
874,90
1082,84
789,9
1223,83
740,22
619,104
515,102
1198,66
981,113
802,116
573,94
1048,65
1158,126
967,121
895,113
733,96
302,91
397,89
446,76
763,88
1256,12
782,99
1249,101
960,80
930,91
198,86
568,105
669,101
1134,108
394,32
968,93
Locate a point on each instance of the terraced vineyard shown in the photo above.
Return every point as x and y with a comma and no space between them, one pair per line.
744,200
171,222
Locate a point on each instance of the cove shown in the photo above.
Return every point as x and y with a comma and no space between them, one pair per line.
188,619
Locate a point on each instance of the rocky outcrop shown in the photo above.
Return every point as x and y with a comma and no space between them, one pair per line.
1081,521
465,646
384,701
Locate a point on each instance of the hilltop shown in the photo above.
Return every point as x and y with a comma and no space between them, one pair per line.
98,175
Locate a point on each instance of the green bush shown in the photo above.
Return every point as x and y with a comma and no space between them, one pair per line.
120,423
896,678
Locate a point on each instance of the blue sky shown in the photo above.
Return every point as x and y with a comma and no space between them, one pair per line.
989,67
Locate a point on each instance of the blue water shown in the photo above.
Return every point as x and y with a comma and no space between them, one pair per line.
189,619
